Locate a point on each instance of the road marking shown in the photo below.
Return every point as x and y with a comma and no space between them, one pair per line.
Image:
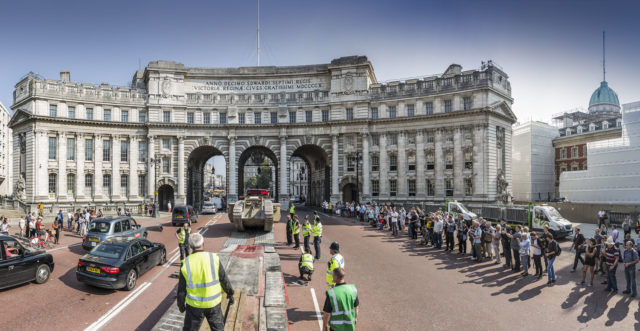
315,304
113,312
59,248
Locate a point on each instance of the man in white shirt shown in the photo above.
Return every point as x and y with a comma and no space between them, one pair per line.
601,215
437,232
394,221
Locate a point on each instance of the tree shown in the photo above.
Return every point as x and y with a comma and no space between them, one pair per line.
263,179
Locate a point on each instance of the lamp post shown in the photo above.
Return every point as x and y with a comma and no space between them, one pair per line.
156,164
358,157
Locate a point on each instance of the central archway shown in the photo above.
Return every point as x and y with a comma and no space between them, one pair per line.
196,173
317,173
251,154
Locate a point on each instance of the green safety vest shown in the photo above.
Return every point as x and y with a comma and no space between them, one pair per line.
343,311
335,262
306,229
316,230
295,227
292,209
307,261
203,286
182,235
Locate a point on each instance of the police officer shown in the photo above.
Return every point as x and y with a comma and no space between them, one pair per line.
183,235
295,230
306,233
305,266
336,261
340,311
289,226
316,231
202,282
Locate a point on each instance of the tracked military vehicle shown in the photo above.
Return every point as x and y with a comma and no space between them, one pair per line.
256,210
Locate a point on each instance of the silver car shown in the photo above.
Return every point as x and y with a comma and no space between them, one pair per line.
102,229
208,208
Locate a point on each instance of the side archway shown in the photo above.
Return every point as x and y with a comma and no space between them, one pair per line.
195,173
318,173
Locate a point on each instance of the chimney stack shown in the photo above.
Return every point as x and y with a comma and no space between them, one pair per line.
65,76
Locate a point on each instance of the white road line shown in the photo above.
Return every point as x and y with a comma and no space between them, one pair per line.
315,304
117,309
59,248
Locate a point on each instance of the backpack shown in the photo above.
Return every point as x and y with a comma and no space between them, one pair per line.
557,249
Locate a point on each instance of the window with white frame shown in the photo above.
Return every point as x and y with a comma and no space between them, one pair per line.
448,158
411,110
393,162
71,112
53,183
325,115
393,138
292,117
308,116
191,118
142,184
411,185
448,187
206,118
71,183
374,113
391,111
429,137
375,163
241,118
411,162
166,143
124,116
166,165
349,115
468,159
106,184
447,106
53,148
53,110
106,150
375,187
223,118
428,108
375,140
124,184
431,160
89,114
88,149
142,117
257,118
468,187
142,151
274,117
466,103
431,191
106,115
574,152
563,153
393,187
71,149
166,116
124,151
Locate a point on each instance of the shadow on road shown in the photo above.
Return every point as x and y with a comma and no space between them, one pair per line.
157,313
69,279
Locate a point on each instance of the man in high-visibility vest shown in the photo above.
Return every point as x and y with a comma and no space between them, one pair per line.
305,266
292,209
183,235
200,288
340,311
306,233
289,226
316,231
336,261
295,230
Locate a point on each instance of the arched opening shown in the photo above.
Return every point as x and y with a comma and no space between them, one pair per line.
316,172
349,192
165,195
206,174
258,168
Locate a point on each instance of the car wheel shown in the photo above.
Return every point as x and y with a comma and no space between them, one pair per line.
42,274
163,257
132,278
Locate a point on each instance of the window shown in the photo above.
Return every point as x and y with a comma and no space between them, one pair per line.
124,151
257,118
124,185
71,183
392,111
430,137
308,115
71,149
574,152
142,151
431,160
53,110
466,135
468,187
142,117
411,138
106,150
107,115
411,184
71,112
349,141
393,162
325,115
53,183
468,159
411,162
448,160
274,117
563,153
351,163
393,138
375,163
375,140
574,168
88,150
466,103
605,125
393,187
166,166
166,143
88,181
292,117
190,118
375,187
448,187
106,183
411,110
89,113
447,106
53,145
223,118
124,116
374,113
142,181
241,118
448,136
584,151
430,187
428,108
206,118
349,113
166,116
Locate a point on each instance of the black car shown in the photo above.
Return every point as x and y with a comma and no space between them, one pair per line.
183,214
118,262
20,265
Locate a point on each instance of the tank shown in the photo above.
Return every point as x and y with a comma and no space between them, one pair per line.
254,212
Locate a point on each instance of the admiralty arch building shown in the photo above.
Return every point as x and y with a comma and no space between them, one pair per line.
430,138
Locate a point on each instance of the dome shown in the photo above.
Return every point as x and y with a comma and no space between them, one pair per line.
604,95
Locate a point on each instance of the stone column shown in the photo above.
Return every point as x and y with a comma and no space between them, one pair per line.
366,168
439,166
335,171
458,163
479,166
284,164
384,168
133,167
421,190
42,161
233,188
115,167
151,171
79,189
181,189
62,166
97,161
402,166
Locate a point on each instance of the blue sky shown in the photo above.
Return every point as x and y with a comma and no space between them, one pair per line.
550,49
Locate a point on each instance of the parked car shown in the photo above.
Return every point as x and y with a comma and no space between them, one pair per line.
102,229
119,262
19,264
183,214
208,208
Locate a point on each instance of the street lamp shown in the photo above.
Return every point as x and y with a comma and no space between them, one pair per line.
358,157
156,165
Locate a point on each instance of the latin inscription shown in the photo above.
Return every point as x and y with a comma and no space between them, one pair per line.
256,85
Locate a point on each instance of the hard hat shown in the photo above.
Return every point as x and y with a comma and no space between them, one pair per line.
334,246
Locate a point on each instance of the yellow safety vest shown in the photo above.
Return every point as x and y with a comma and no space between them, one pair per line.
336,261
292,209
295,227
203,286
316,230
183,236
307,261
306,229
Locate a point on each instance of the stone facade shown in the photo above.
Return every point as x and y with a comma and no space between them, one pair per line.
6,183
444,136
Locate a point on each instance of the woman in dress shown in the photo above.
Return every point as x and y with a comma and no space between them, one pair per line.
589,260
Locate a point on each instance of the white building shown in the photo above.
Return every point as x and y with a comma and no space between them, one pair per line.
6,182
299,179
533,161
613,167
